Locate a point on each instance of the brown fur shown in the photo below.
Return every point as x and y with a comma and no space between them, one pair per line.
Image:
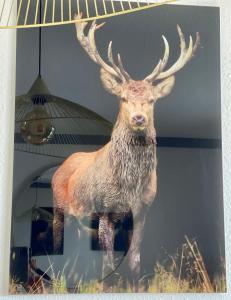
117,179
121,176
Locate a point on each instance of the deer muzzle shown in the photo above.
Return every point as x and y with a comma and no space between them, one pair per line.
138,122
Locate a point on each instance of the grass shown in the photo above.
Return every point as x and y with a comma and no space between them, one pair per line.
185,272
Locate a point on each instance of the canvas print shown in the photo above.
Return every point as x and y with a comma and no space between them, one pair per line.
117,170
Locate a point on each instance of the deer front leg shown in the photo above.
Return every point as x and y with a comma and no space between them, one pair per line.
58,229
106,239
136,236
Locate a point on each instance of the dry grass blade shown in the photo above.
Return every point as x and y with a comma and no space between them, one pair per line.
200,264
181,264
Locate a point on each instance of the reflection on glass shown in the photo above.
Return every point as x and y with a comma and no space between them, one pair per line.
37,128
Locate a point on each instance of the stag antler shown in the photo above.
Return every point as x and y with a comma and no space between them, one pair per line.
185,56
89,45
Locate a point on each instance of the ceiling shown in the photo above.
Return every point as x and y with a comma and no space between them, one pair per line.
192,109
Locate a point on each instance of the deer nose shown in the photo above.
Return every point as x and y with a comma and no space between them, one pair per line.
138,119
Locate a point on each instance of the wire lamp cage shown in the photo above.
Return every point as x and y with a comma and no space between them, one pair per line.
49,125
59,12
46,124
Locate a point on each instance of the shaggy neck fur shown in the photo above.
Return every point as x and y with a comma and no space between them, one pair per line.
132,155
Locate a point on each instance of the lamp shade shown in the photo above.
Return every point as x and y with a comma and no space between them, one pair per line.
49,125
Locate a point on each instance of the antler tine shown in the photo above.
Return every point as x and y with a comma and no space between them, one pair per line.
166,54
111,59
122,70
99,60
185,56
80,27
155,72
89,45
197,43
161,64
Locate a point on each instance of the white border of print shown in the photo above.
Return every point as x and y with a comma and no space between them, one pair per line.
7,96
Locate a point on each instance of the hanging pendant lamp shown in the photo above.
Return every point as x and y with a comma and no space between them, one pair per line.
59,12
49,125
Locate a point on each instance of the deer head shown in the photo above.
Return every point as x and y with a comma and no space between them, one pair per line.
137,97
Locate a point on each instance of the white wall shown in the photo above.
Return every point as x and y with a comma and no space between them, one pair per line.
6,157
7,96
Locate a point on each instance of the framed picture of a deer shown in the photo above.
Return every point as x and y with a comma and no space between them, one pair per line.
142,212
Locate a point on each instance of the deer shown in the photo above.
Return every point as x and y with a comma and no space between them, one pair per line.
119,179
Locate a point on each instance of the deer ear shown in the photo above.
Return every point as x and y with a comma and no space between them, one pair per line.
110,83
165,87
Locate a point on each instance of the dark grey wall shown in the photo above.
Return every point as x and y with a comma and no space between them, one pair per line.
193,108
189,202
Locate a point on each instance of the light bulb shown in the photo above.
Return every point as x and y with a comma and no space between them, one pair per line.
37,128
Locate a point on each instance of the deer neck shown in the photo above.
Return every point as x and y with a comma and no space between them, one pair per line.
132,155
